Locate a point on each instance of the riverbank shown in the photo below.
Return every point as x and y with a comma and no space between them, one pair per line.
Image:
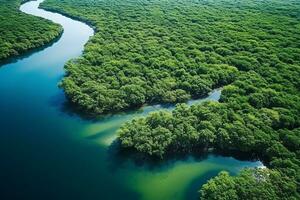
22,33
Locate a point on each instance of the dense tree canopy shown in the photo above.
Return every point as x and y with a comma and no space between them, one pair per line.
170,51
151,51
258,184
20,32
270,130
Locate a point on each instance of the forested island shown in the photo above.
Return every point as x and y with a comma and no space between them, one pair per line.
20,32
147,52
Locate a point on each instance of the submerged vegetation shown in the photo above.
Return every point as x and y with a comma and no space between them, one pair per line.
170,51
20,32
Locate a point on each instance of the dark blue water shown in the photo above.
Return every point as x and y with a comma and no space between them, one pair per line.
48,152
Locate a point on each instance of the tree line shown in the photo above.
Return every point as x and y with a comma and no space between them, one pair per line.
21,32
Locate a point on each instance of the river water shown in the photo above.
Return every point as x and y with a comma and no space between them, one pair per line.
49,152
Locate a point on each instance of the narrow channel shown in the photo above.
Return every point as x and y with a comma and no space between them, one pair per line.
49,152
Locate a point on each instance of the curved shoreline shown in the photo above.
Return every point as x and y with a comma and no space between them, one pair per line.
31,51
76,18
55,39
85,114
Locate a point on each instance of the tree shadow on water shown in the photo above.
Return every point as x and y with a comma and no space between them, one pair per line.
192,191
241,156
29,52
65,106
119,157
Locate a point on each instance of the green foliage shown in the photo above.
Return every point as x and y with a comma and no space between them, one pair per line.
269,130
256,184
221,187
21,32
174,50
156,46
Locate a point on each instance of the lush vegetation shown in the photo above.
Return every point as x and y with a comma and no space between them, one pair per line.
144,52
249,119
258,184
257,115
20,32
169,51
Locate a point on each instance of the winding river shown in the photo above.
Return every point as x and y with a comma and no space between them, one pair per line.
48,152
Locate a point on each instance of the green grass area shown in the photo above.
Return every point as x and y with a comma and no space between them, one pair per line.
169,51
20,32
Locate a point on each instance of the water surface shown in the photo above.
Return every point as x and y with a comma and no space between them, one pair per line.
48,152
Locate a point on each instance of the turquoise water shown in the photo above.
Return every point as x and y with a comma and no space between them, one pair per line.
49,152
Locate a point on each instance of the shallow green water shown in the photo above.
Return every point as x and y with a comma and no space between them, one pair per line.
49,152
